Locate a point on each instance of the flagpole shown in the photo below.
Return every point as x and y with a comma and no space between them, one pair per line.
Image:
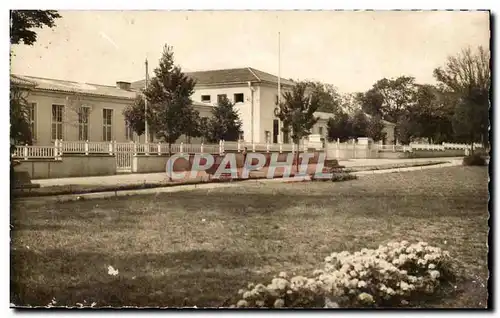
279,85
146,106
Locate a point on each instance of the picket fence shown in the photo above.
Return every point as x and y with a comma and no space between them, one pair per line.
61,147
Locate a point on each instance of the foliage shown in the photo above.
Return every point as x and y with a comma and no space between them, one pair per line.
23,21
224,124
297,113
475,159
168,95
20,131
339,127
468,77
328,96
375,128
135,115
391,275
359,124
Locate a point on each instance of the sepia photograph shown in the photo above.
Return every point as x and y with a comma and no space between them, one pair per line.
259,159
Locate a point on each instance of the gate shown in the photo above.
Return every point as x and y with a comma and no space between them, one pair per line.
124,153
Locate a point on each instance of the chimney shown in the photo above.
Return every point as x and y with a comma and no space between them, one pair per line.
123,85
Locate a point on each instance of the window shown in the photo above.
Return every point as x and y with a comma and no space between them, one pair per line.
239,98
205,98
83,123
129,132
220,98
107,116
57,121
241,135
321,131
32,119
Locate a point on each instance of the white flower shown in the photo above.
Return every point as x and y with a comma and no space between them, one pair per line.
279,303
242,303
353,273
361,284
432,266
247,295
241,292
112,271
259,303
434,274
365,297
404,285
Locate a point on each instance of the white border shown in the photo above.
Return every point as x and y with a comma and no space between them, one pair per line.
200,5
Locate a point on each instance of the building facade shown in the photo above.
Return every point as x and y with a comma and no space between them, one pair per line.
78,111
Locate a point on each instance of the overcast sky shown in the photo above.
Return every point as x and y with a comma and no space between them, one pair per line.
350,50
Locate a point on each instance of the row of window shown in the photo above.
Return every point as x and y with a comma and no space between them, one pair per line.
57,128
237,98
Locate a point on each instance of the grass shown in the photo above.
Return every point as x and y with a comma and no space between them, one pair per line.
199,247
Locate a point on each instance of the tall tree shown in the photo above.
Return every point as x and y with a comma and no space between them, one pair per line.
225,123
468,76
328,95
359,124
135,115
375,128
339,127
390,98
22,23
297,113
168,96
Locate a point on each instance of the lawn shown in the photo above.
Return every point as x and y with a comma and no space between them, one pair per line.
199,247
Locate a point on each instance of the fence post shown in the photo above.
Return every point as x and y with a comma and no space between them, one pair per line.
281,147
135,148
393,147
159,148
201,148
110,148
337,150
86,147
25,150
220,147
354,149
293,147
253,147
181,150
267,146
239,145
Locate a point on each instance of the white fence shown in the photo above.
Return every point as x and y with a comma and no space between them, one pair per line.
61,147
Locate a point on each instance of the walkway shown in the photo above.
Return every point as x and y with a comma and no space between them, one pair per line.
161,177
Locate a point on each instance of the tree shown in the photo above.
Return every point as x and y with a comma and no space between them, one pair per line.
359,124
20,130
297,113
224,124
468,77
329,98
390,98
339,127
21,24
375,128
23,21
135,115
168,96
192,127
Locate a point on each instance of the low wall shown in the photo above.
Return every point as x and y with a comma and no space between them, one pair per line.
436,153
69,166
154,163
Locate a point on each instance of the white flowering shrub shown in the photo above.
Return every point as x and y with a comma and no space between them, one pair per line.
391,275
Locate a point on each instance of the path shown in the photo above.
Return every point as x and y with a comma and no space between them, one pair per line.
160,177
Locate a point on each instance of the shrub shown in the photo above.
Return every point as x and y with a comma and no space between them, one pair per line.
338,174
391,275
475,159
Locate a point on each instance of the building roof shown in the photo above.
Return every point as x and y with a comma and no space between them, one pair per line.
55,85
228,76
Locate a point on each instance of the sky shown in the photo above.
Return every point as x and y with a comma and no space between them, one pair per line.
349,49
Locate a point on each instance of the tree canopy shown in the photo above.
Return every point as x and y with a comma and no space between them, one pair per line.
22,23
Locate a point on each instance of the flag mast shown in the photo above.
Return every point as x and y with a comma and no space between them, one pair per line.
146,131
279,84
